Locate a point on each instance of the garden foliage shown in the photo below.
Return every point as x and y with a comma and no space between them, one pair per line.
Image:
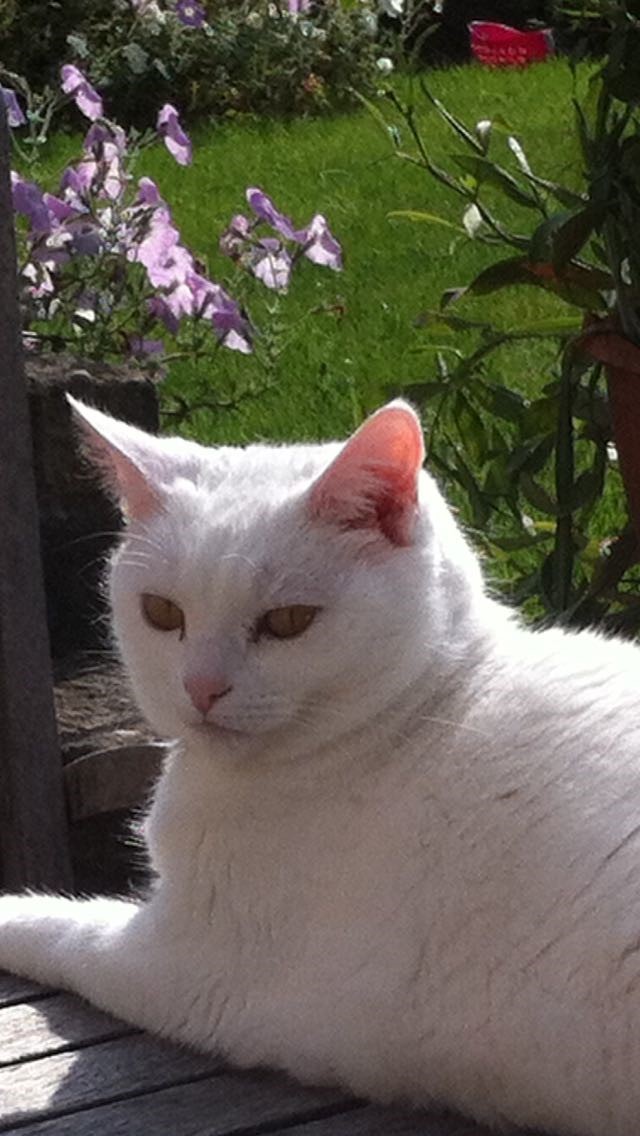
239,56
537,475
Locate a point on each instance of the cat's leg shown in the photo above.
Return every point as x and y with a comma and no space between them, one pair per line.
125,957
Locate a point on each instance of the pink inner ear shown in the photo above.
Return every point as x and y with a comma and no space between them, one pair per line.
373,483
139,498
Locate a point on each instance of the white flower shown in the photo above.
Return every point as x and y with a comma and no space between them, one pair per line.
384,65
150,11
370,21
483,132
393,8
519,154
472,220
310,30
254,19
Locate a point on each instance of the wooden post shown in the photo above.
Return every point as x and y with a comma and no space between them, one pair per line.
33,828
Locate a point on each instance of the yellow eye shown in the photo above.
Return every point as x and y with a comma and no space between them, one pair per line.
287,622
162,614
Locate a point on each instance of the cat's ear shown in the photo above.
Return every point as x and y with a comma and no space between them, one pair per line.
373,482
126,457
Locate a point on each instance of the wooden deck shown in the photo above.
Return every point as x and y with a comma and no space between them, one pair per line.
69,1070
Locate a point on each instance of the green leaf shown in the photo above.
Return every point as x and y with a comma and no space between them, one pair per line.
78,45
426,218
419,392
136,57
502,274
497,482
437,320
531,456
586,489
480,508
501,402
458,127
553,325
566,197
537,496
471,428
374,111
487,172
540,417
559,238
525,540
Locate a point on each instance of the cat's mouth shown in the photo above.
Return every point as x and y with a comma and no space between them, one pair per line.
209,729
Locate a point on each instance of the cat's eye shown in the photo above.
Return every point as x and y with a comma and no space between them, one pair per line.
287,622
162,614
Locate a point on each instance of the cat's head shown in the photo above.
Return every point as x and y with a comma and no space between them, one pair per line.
269,592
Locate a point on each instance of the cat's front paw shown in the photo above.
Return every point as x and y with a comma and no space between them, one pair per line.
48,937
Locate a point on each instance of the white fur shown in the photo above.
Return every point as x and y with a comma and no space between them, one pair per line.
405,855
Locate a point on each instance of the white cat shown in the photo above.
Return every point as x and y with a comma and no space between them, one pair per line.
397,844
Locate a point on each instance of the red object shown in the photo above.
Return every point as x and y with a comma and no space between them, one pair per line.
501,46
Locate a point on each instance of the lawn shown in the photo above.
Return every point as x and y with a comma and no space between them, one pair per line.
337,365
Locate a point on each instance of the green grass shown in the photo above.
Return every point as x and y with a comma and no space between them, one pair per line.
337,366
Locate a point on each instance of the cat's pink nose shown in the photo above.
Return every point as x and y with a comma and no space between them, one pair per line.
204,690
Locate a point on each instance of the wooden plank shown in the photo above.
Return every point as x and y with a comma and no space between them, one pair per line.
33,838
14,989
218,1106
52,1025
375,1121
104,1072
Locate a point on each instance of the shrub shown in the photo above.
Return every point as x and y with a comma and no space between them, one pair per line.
209,60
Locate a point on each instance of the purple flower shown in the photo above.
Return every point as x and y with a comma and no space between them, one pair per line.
198,297
166,261
272,264
228,321
298,7
233,240
140,347
59,210
85,97
162,308
39,278
15,117
149,194
105,146
28,199
77,181
320,246
190,13
102,134
86,238
174,137
264,208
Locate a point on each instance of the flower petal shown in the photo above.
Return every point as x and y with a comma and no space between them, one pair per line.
264,208
15,117
177,142
321,247
87,99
